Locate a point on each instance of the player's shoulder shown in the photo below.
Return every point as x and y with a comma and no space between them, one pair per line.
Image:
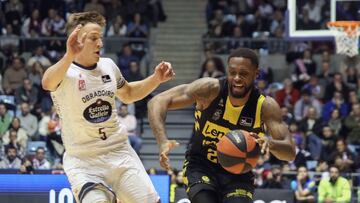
207,83
205,88
270,107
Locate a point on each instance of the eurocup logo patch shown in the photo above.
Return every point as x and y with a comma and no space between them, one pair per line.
98,112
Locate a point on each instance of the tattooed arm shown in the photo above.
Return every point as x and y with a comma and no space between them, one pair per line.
281,144
201,92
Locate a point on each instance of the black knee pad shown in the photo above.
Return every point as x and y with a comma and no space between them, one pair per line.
207,196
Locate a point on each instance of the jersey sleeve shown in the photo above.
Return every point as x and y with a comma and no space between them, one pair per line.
120,80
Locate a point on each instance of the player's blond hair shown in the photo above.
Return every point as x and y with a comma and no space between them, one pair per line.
84,18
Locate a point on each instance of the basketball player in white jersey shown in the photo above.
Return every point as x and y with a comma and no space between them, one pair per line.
99,162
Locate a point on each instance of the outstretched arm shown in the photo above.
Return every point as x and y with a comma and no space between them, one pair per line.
55,73
201,92
281,145
134,91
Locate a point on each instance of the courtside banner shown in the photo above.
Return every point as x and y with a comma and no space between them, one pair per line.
261,196
54,188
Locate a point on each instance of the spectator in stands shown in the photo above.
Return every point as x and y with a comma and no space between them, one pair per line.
94,5
21,135
53,139
297,135
13,14
28,121
326,75
322,168
39,57
134,73
336,86
275,179
156,12
32,25
26,166
117,28
55,48
313,8
131,124
335,122
36,72
352,123
137,28
304,68
342,157
337,102
57,25
16,143
306,101
263,166
27,93
14,75
9,41
235,40
353,99
5,119
328,143
11,161
314,87
46,28
350,76
277,22
113,9
126,57
288,95
304,187
45,118
334,189
211,69
40,162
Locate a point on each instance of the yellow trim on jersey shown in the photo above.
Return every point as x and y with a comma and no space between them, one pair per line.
232,113
197,118
258,111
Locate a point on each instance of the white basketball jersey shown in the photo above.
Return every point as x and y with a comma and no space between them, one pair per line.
85,102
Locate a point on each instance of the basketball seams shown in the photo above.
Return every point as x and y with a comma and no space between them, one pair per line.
235,142
230,148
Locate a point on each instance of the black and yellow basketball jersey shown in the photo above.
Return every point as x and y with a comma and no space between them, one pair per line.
221,117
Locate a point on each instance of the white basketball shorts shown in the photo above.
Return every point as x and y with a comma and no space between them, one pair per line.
120,171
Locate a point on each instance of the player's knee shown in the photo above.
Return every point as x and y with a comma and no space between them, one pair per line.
96,196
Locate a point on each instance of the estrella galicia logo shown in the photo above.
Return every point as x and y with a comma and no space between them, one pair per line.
98,112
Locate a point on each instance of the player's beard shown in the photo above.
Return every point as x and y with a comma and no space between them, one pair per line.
243,93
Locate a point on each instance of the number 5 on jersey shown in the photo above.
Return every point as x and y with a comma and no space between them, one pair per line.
102,133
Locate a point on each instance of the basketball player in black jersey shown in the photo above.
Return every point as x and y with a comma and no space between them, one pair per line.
222,105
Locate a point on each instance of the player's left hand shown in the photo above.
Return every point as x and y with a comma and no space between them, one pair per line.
163,72
262,141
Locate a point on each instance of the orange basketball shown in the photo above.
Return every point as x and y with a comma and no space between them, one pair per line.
238,152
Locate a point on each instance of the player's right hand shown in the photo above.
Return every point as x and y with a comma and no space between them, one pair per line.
164,150
74,43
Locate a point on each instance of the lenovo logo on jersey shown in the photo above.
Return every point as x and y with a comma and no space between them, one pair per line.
106,78
214,131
